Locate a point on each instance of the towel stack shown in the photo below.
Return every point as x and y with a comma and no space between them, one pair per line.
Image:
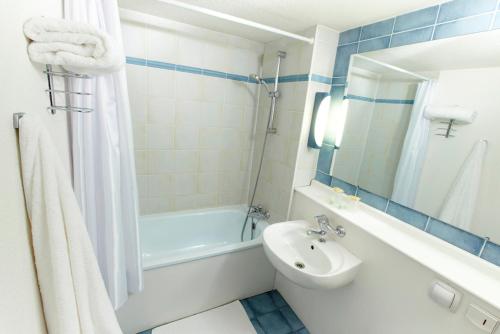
78,47
458,114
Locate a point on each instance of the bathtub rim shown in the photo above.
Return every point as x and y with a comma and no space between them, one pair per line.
195,256
239,207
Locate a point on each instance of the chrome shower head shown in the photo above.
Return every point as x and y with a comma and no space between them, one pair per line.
260,81
255,77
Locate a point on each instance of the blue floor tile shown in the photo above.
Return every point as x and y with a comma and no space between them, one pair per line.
291,318
270,314
277,299
248,309
274,323
262,303
257,327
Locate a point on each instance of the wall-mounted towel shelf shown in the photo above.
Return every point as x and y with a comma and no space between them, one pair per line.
448,130
52,91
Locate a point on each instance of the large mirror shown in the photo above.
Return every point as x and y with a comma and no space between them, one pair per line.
421,126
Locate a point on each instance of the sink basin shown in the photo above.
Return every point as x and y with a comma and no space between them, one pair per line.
305,260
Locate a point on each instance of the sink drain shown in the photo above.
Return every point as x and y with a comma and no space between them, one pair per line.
300,265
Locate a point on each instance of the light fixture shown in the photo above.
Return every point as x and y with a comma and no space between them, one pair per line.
319,120
338,120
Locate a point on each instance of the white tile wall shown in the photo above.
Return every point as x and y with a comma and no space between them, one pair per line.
276,184
371,130
192,133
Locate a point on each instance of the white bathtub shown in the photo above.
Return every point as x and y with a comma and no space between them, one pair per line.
195,261
173,238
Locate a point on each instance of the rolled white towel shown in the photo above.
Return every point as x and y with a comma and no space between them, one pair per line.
78,47
460,115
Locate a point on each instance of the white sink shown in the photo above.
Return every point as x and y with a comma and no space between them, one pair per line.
305,260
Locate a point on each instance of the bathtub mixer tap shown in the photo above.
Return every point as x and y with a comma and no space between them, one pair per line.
324,227
259,213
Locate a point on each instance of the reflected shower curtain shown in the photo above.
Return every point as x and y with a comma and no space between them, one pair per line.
103,162
414,149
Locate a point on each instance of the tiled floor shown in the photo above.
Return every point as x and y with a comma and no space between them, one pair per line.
270,314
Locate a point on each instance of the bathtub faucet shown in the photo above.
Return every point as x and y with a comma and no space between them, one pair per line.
259,213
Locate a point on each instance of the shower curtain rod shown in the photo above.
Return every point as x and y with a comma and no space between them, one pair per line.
238,20
392,67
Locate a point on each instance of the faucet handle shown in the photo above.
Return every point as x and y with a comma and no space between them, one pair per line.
323,221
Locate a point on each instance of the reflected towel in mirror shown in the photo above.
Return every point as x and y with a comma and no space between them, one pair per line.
459,114
460,203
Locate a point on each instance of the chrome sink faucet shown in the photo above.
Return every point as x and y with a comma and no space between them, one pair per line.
325,227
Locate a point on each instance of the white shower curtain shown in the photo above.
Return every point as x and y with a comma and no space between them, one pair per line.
414,149
460,204
103,162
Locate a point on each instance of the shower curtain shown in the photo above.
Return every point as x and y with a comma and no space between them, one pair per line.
414,149
103,162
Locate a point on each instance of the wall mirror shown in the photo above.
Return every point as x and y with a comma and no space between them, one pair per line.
421,127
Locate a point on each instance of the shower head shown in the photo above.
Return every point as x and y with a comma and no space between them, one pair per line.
255,77
260,81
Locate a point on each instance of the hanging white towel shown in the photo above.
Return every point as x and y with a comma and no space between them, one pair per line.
460,203
459,114
78,47
73,294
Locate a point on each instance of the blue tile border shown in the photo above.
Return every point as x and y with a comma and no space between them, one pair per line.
449,13
420,18
455,236
325,158
348,188
463,239
459,9
446,20
223,75
410,216
372,199
383,101
323,178
269,313
321,79
491,253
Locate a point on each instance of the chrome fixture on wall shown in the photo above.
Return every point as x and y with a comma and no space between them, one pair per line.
52,91
273,94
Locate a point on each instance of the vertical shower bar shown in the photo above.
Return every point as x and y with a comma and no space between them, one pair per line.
275,94
270,129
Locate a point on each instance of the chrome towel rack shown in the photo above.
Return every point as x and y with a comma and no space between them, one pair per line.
448,130
52,91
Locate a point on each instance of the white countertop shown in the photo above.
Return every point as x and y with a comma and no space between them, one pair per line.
476,276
